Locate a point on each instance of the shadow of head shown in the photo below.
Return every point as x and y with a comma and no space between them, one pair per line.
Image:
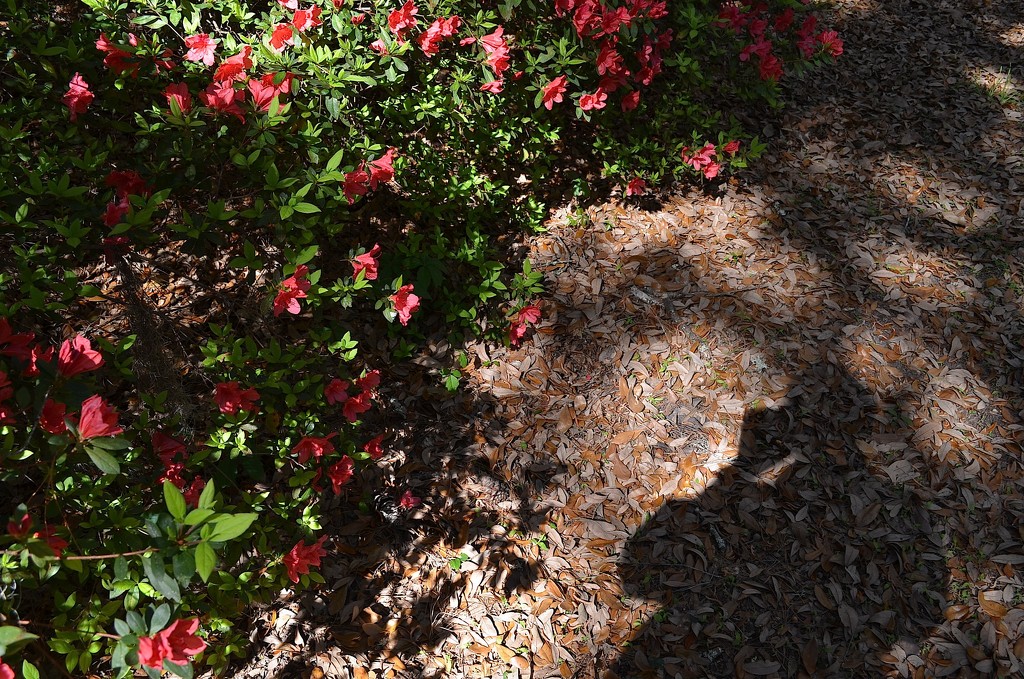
795,560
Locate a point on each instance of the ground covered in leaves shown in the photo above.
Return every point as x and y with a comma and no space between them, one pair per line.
768,429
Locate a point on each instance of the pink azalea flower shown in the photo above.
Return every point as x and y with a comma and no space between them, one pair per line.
166,447
405,303
403,19
200,48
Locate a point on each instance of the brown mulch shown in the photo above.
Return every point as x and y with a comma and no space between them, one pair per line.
769,430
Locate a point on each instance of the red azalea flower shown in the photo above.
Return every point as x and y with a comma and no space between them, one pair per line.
302,556
281,36
19,530
367,263
357,405
234,68
553,91
172,473
497,51
222,97
373,447
731,148
78,97
317,446
381,170
284,87
127,183
15,345
55,542
179,94
200,48
356,184
176,643
52,417
369,381
77,356
358,19
595,101
401,20
304,19
341,473
405,303
527,316
262,94
6,671
292,290
36,354
166,447
636,187
289,4
494,86
231,398
116,59
832,43
408,500
97,419
194,491
336,391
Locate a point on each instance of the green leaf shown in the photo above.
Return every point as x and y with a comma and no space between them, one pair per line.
206,560
331,165
103,460
306,208
158,577
110,443
12,638
28,670
197,516
161,616
306,254
231,527
175,501
206,498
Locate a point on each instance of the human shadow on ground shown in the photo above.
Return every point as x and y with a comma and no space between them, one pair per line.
794,560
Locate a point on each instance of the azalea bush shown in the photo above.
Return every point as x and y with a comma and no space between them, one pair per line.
302,165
